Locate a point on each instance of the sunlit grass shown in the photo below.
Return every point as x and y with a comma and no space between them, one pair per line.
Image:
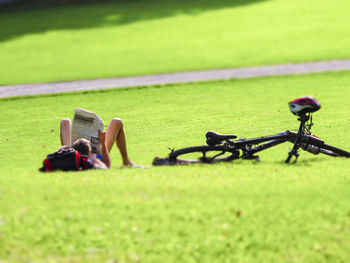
235,212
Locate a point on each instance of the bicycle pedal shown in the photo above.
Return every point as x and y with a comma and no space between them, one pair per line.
252,157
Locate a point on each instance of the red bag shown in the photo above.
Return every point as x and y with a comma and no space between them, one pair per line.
66,160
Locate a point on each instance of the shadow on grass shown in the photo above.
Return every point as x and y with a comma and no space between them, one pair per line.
37,17
304,161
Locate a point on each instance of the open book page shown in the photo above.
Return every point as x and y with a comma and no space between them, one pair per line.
86,125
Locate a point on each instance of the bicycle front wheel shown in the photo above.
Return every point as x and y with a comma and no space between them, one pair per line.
205,154
328,150
334,151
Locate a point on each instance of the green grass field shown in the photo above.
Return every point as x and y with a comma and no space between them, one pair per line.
235,212
120,38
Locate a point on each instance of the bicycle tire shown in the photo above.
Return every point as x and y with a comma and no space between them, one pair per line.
204,149
327,150
336,150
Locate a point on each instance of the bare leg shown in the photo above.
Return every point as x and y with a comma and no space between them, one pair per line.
65,130
116,134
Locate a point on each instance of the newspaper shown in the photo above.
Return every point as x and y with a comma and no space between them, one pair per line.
86,125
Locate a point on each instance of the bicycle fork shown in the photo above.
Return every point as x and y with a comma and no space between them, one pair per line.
297,142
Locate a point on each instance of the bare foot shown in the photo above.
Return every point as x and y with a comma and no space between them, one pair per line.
130,163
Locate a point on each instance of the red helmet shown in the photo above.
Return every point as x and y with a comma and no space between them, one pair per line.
303,105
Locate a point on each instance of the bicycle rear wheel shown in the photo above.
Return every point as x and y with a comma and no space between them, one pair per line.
205,154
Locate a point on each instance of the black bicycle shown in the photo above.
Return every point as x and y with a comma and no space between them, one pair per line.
221,147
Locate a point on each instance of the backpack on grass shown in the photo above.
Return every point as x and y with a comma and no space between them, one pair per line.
66,160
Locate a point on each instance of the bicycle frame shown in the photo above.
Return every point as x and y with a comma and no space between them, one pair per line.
220,145
302,139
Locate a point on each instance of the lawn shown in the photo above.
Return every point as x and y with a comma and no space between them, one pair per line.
122,38
235,212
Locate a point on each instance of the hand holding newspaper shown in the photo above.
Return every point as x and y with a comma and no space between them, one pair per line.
86,125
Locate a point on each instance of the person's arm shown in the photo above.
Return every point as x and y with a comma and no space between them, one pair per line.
105,154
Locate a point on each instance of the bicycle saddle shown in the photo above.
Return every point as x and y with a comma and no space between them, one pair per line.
214,138
303,105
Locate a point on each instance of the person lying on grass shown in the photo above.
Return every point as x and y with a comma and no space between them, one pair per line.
115,135
83,146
